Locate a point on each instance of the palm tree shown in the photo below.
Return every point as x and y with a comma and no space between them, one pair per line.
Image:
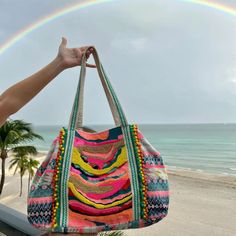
13,135
20,161
31,165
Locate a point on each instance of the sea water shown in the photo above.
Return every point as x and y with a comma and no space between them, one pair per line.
200,147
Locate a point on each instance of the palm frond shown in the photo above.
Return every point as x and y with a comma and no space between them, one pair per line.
20,161
27,137
25,150
12,137
31,165
17,166
15,132
13,163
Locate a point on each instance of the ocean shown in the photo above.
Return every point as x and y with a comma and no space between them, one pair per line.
200,147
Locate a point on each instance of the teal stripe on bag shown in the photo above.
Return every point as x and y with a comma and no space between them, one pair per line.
131,155
64,178
75,108
67,161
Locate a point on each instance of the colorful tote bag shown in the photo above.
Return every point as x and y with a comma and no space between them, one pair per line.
98,181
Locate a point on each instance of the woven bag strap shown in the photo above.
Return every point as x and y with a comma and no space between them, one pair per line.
76,117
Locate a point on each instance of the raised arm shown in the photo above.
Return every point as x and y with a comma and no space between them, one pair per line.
15,97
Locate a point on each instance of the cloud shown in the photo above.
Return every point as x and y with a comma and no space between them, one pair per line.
137,44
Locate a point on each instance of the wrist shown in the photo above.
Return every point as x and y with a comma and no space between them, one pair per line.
59,64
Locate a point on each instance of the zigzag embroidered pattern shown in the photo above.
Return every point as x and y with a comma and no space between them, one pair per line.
40,214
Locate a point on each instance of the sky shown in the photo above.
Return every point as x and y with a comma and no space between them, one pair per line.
169,61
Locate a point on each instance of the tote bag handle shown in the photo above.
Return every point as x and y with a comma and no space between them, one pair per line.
76,117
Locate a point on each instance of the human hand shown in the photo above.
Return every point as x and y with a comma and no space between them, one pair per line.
70,57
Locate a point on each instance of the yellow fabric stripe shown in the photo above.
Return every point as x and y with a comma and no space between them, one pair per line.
77,159
97,205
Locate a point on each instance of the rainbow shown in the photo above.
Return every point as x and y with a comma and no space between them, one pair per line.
75,7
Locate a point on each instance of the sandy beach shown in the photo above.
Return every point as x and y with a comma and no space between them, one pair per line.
200,204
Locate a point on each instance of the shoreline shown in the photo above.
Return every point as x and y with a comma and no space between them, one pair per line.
217,178
173,168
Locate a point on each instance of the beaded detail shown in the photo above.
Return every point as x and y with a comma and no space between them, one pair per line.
140,165
56,178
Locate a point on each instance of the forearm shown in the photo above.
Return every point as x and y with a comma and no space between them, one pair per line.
15,97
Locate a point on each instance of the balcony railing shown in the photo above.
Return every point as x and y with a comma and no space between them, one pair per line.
14,223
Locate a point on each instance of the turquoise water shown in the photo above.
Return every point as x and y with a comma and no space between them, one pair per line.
202,147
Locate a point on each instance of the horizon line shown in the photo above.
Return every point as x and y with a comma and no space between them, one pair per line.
184,123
